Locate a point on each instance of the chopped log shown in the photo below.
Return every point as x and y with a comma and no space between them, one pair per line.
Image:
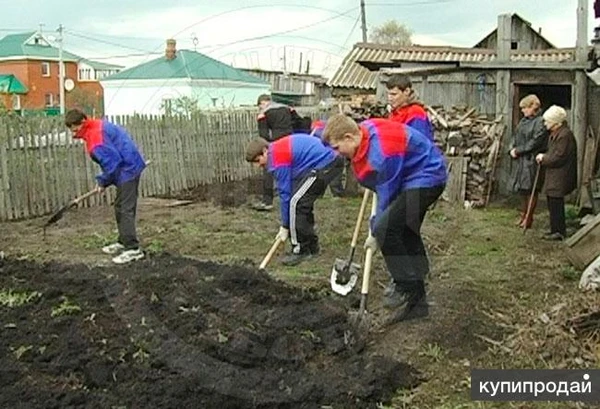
465,116
437,116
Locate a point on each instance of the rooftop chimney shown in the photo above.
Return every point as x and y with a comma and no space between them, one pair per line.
171,49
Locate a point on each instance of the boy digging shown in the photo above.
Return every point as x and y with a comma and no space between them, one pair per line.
302,168
407,172
111,147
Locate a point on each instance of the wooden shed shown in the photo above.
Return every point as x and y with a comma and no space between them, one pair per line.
492,80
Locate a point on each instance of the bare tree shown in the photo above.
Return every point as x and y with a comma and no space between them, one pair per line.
87,100
393,33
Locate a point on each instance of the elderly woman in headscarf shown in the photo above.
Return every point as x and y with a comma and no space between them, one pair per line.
560,164
530,138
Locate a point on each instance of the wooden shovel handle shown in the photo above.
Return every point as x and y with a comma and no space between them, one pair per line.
94,191
361,214
272,251
369,254
84,196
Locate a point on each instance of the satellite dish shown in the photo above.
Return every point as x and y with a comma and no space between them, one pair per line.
69,84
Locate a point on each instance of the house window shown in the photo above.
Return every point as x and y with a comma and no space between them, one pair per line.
85,74
45,69
102,74
49,100
16,102
514,45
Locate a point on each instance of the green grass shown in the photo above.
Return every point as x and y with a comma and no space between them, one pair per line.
66,307
11,298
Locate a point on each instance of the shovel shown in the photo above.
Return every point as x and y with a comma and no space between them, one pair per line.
360,321
344,273
269,255
61,212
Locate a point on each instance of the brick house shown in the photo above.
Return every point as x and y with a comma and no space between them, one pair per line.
34,62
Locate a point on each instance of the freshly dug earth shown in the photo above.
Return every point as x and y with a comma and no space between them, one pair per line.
176,332
224,194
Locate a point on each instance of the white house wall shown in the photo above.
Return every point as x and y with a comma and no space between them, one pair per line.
227,97
146,96
128,100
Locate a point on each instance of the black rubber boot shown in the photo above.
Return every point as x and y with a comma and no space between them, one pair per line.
415,305
394,296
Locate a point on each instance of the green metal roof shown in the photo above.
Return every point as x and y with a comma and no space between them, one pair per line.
14,45
9,84
187,64
100,65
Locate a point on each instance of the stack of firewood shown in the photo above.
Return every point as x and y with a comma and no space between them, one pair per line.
461,131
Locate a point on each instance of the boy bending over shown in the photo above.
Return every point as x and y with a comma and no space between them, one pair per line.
408,173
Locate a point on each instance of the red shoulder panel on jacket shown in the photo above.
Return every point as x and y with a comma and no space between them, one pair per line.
91,133
282,152
392,137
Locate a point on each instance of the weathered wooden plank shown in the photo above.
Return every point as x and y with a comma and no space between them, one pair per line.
6,206
43,129
14,160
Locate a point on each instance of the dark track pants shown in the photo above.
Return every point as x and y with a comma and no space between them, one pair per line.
398,234
125,213
306,191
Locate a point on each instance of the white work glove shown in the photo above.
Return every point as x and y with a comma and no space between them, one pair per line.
283,234
371,243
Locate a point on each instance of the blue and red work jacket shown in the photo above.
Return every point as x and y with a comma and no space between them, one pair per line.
111,147
290,159
393,157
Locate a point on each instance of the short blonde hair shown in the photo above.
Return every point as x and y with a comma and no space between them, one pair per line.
530,101
338,126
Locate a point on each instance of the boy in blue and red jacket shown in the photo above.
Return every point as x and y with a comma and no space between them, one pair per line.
111,147
405,107
302,168
408,174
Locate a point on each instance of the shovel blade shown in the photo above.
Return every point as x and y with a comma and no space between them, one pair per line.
343,276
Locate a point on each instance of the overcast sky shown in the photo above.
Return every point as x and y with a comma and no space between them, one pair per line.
257,33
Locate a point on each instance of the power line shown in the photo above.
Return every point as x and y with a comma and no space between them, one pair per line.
148,53
157,52
337,14
413,3
261,37
278,33
75,34
350,33
110,57
15,30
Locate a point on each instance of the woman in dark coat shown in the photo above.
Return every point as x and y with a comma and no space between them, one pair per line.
530,138
560,164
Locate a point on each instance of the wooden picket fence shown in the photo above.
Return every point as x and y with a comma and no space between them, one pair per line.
42,167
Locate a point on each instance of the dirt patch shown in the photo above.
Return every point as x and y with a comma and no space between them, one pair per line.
224,194
176,332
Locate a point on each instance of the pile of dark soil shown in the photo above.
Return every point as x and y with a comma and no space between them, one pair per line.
170,332
223,194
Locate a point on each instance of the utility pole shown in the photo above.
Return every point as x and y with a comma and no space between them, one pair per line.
363,18
61,70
